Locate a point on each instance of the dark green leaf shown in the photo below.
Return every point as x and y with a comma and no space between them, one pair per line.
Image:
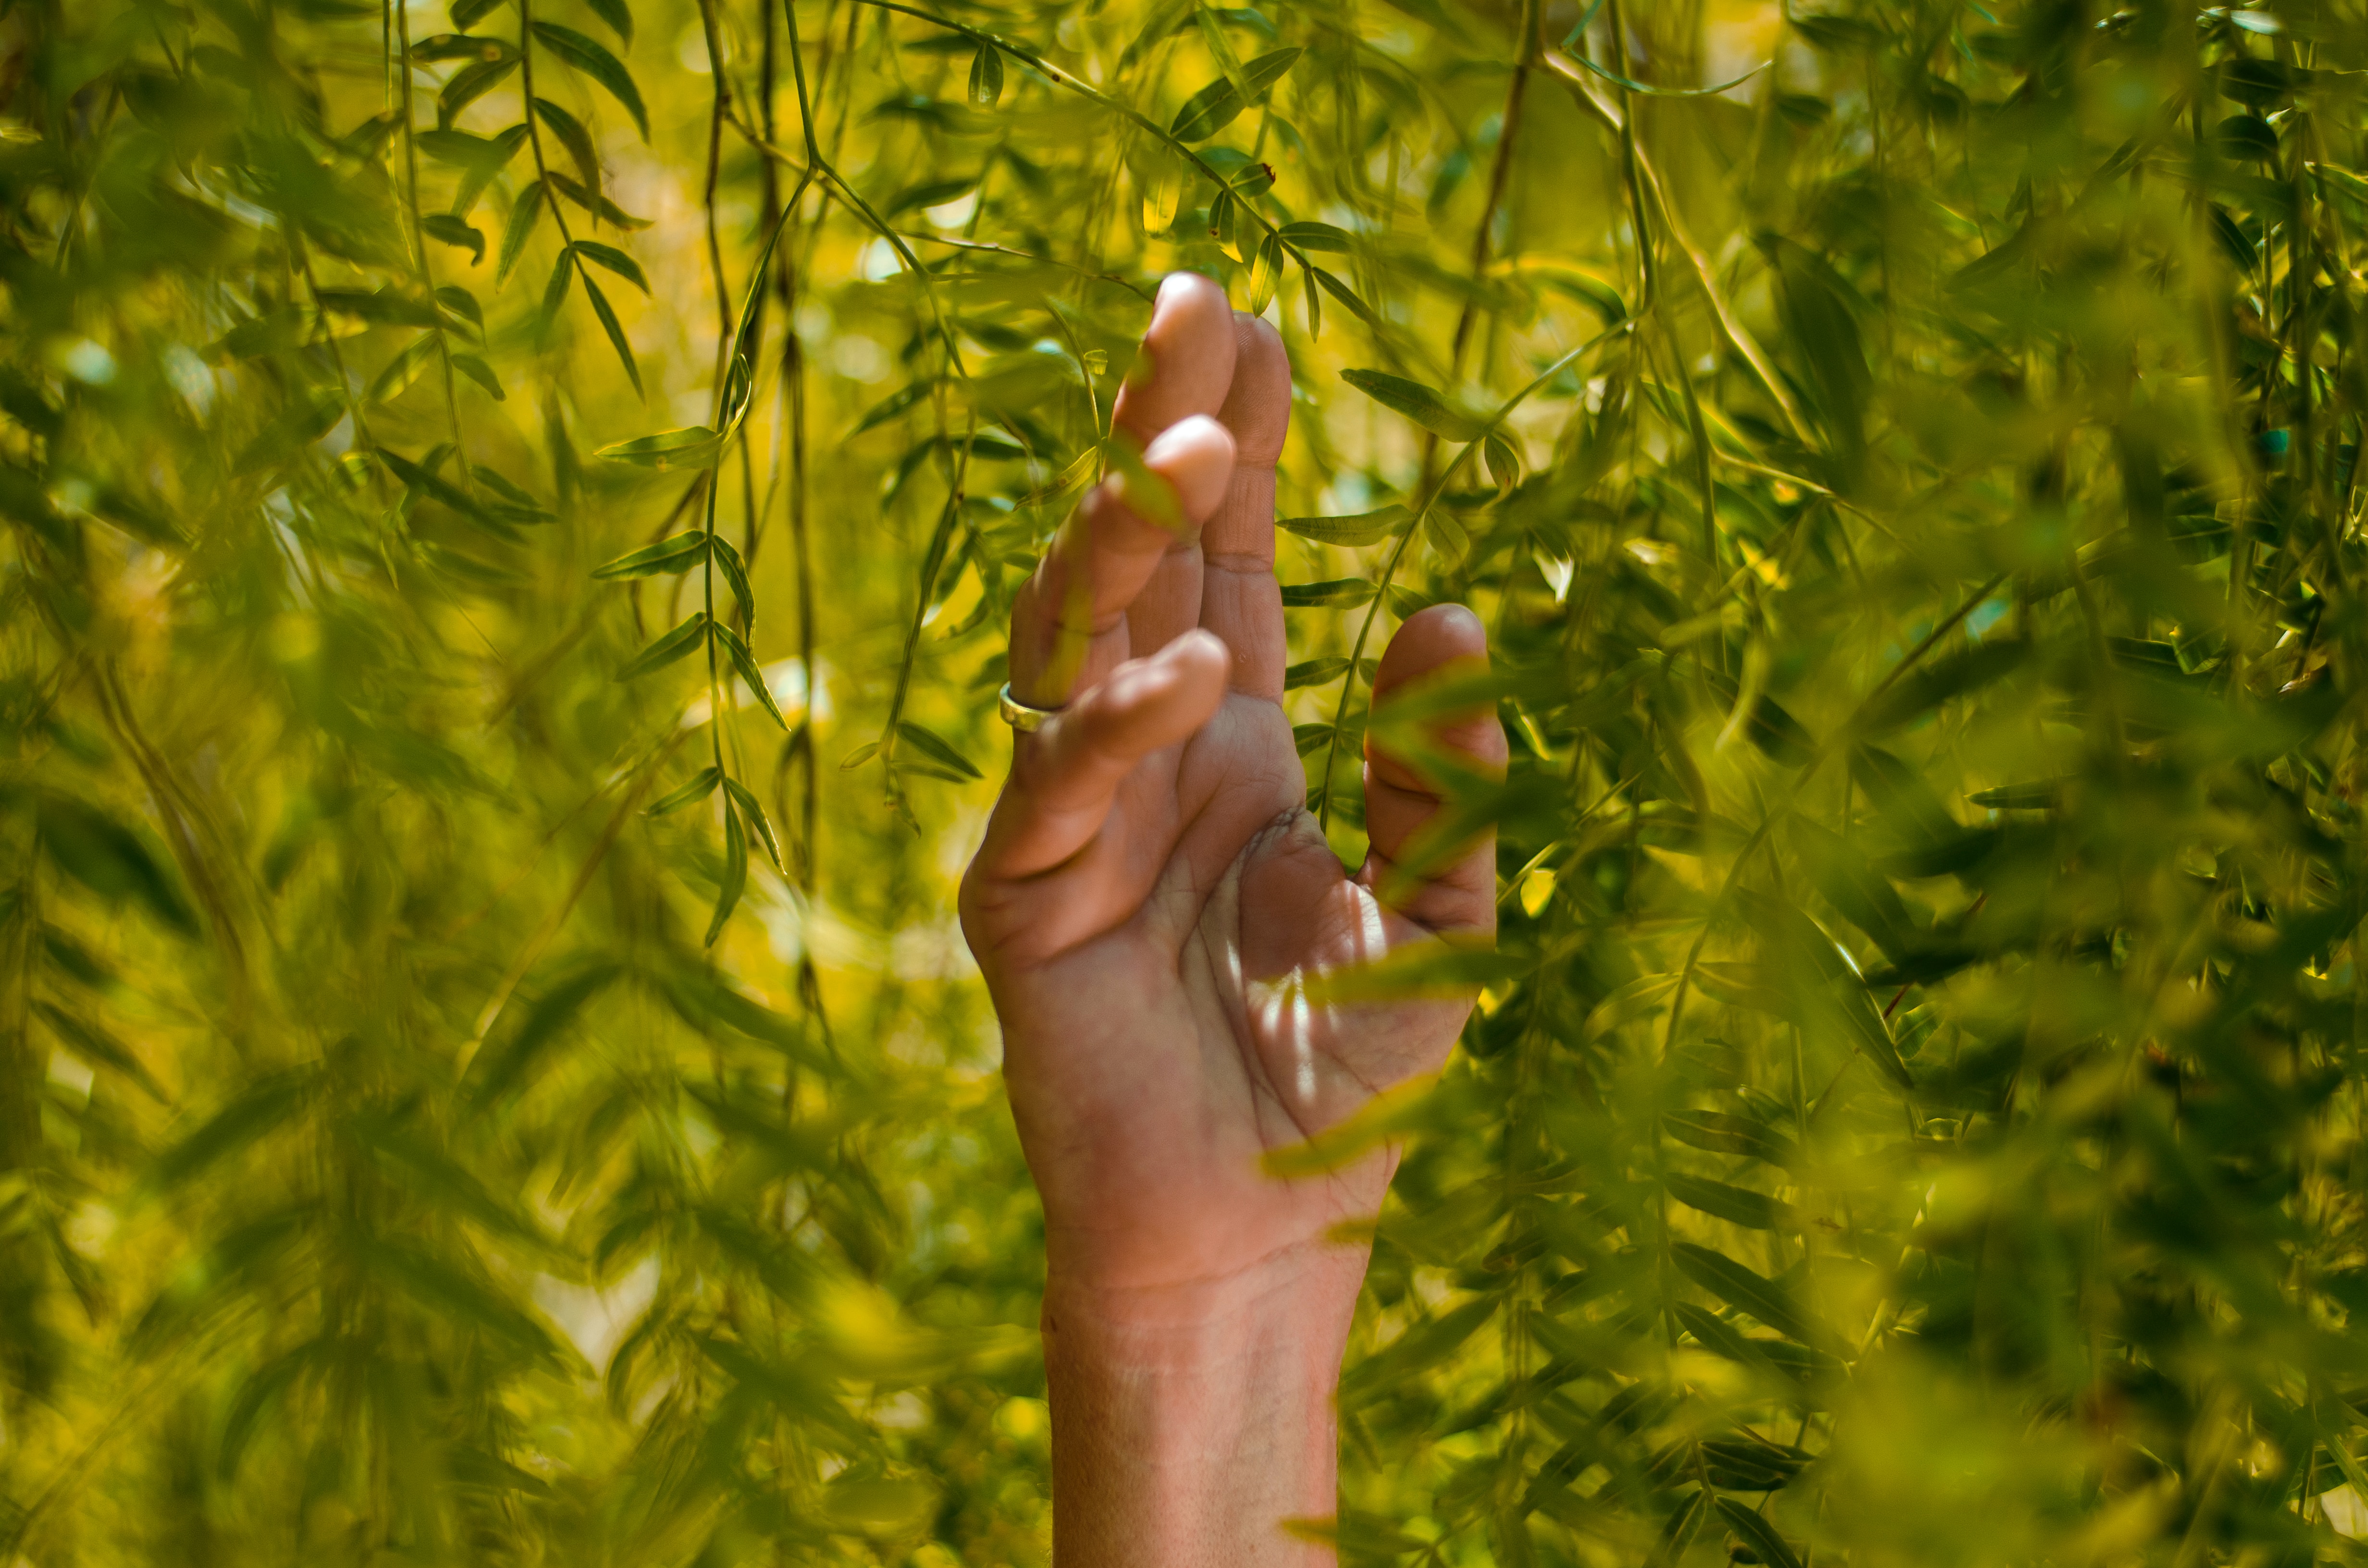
1420,403
680,553
674,645
1745,1292
693,446
702,784
736,872
1342,592
1215,106
589,56
950,763
1361,530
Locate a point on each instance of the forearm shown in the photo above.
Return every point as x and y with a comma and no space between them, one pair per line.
1187,1428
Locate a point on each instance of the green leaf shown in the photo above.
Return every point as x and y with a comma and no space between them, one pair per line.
477,370
448,230
109,859
524,214
736,872
470,83
616,334
674,645
575,138
702,784
402,370
1741,1206
495,1071
1315,236
615,260
96,1045
680,553
1424,405
1757,1534
554,295
986,76
1266,275
1354,532
735,575
756,813
595,202
949,763
1215,106
592,57
692,447
1342,592
1745,1292
1942,681
745,663
237,1125
1313,672
1719,1133
617,16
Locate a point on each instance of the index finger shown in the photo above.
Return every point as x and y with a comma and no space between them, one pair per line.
1239,598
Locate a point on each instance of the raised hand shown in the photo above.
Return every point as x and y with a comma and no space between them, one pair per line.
1149,905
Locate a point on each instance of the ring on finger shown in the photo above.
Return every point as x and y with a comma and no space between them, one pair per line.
1022,717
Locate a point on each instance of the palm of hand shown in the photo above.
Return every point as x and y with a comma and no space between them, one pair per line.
1153,898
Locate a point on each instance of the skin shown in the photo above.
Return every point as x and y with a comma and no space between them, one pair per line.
1149,900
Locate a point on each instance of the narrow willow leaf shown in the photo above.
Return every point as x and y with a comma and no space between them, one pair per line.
985,77
1503,460
701,785
755,814
236,1127
1757,1534
615,260
1720,1133
680,553
666,649
950,763
592,57
1346,296
446,229
523,215
616,334
736,872
1679,1534
470,84
1315,236
735,575
1745,1292
1313,672
746,663
1424,405
1342,592
1352,532
692,447
404,368
1221,221
619,16
1315,304
1215,106
554,297
574,137
860,755
595,202
96,1047
1266,277
1163,195
1737,1205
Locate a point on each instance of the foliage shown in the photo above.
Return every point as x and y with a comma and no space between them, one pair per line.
509,517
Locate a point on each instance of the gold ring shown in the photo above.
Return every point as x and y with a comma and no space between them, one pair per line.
1018,714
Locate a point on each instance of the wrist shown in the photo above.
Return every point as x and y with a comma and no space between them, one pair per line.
1191,1420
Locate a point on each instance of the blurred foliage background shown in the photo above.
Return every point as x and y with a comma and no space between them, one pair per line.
510,507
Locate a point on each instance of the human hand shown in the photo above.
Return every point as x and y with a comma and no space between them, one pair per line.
1149,900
